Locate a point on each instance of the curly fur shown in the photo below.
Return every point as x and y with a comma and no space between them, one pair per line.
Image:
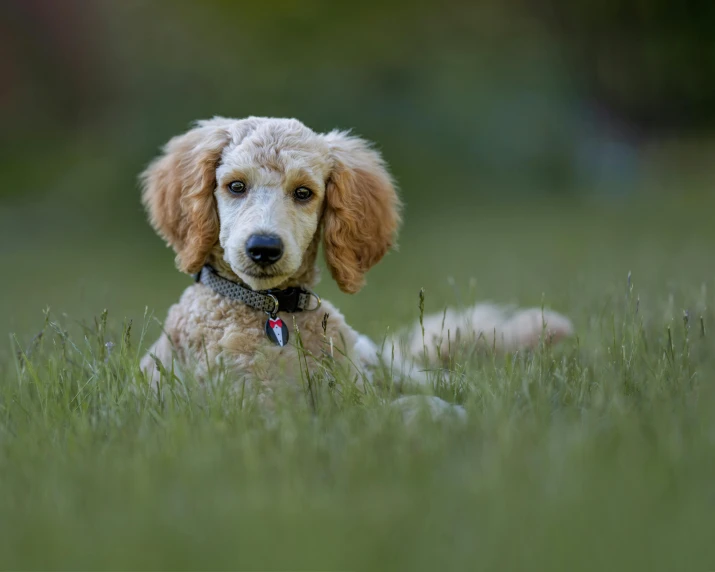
354,206
362,212
178,193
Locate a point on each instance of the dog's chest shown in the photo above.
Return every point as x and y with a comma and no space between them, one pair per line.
233,336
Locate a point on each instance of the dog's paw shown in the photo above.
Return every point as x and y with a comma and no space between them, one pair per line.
436,409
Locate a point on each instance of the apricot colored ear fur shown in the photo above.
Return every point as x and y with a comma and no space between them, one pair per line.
177,191
362,212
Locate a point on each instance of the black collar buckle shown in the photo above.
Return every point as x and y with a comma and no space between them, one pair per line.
288,299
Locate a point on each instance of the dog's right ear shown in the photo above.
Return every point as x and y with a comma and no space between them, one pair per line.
177,191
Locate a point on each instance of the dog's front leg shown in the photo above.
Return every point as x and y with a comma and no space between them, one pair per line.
162,351
367,354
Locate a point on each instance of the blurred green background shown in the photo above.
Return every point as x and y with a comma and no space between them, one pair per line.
541,147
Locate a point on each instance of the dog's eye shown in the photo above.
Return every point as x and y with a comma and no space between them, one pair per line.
302,193
237,187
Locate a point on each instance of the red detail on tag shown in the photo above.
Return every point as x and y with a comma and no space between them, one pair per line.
278,322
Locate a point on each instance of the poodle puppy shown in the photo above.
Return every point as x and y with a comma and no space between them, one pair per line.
245,203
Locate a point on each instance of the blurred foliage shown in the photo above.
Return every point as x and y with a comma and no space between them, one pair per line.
547,95
470,102
650,64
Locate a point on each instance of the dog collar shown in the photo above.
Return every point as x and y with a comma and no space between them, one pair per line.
271,302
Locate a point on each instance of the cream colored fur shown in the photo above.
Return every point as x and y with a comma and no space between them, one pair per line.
356,211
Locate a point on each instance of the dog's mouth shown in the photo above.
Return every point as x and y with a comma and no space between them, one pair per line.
261,275
260,278
247,268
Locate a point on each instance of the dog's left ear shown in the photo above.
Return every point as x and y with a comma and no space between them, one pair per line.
362,212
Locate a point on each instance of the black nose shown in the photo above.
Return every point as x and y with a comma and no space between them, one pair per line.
264,249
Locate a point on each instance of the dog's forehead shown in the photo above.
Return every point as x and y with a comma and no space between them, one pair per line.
281,146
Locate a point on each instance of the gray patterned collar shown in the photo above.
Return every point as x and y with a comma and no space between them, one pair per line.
271,302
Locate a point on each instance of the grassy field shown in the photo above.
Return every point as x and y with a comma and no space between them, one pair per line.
594,455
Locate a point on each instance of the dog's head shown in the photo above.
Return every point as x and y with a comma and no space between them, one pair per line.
262,189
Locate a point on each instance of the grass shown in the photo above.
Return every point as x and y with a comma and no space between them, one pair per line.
596,454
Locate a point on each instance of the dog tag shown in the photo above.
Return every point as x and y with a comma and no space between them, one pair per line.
277,331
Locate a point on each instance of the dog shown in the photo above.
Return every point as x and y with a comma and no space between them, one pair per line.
245,205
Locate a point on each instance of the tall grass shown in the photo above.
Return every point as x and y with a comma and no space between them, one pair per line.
596,454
